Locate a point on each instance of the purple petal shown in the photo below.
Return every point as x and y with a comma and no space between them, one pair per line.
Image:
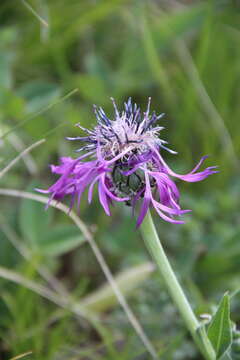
135,199
143,210
169,210
103,198
90,190
166,218
130,172
190,177
109,193
146,201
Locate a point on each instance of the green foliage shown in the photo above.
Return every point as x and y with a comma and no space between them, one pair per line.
33,221
60,240
38,94
42,237
219,331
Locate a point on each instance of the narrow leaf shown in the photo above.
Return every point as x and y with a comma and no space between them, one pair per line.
104,298
226,356
21,355
34,220
60,240
219,331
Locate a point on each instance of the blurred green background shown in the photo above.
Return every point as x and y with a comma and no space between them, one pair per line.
185,55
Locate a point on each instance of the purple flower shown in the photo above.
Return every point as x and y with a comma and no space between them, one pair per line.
126,164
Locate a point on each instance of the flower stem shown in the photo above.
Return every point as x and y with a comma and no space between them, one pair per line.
156,250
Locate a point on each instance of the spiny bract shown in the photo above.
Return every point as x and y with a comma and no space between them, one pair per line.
125,162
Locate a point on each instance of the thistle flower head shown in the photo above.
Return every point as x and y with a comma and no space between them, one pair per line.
125,162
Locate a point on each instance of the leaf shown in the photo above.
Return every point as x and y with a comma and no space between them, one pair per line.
178,24
104,298
60,240
5,70
11,104
226,356
39,94
203,339
7,56
92,87
219,331
21,355
33,220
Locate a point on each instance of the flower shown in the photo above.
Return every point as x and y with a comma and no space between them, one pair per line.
125,162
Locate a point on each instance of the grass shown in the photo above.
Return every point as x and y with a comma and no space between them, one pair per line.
186,57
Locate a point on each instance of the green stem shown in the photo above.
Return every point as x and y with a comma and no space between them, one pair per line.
156,250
